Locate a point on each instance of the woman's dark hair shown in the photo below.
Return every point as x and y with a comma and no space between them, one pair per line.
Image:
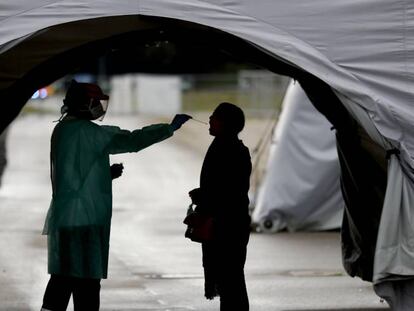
231,116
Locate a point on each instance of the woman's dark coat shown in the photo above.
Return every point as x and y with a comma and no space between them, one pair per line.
223,194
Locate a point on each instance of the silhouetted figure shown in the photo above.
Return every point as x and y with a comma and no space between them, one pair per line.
79,218
223,194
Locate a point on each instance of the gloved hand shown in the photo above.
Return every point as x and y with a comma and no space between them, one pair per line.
116,170
179,120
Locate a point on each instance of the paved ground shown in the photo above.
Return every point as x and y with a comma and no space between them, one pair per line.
152,266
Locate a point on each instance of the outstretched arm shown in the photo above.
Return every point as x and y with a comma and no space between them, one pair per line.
132,141
124,141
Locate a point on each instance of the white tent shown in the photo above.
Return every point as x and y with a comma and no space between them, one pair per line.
357,54
301,188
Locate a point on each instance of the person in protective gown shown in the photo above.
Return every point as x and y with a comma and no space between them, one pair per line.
79,218
223,194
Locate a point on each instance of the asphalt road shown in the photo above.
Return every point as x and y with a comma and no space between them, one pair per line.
152,266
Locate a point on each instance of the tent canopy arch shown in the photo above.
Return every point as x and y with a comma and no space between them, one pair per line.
325,39
63,56
355,55
51,53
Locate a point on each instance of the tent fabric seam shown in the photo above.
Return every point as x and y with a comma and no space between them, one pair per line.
405,61
29,10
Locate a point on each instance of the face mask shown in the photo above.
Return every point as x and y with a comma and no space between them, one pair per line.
98,110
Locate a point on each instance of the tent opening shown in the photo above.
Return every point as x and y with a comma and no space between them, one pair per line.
189,47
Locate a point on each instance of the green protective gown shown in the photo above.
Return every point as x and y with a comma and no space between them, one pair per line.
79,217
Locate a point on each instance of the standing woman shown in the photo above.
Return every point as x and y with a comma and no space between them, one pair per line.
79,218
223,194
